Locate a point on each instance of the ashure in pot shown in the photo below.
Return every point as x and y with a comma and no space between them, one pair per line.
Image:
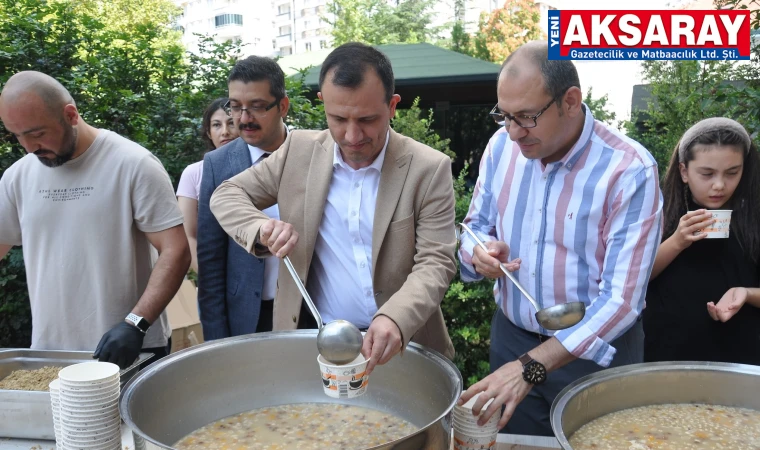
612,390
217,379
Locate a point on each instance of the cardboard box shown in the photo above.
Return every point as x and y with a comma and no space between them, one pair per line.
183,317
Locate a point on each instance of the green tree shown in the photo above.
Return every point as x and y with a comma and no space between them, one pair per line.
460,41
681,94
137,81
378,22
505,29
684,92
598,107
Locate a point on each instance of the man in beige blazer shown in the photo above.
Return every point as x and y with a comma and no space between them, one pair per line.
366,214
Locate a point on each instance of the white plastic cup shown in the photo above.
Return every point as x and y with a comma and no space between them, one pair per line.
87,436
468,435
93,389
80,411
465,442
89,373
90,423
106,441
476,430
87,402
86,423
90,389
472,421
344,381
720,229
93,434
69,414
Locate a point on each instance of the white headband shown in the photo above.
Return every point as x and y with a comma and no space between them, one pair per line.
707,126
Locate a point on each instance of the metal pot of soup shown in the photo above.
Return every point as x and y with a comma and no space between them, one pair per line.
664,405
268,386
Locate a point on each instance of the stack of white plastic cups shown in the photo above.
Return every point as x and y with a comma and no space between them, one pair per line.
468,435
89,407
55,403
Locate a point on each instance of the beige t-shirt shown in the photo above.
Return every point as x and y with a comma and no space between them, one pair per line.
82,226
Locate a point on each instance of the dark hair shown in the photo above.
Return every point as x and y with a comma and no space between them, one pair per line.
745,202
206,124
558,75
351,61
258,68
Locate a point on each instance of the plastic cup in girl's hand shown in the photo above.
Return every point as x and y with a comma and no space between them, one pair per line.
720,228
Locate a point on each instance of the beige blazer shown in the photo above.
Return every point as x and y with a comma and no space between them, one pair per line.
413,238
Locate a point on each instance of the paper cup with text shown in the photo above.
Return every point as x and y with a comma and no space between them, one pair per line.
344,381
718,230
468,435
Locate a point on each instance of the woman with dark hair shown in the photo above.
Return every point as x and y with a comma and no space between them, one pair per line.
217,129
703,300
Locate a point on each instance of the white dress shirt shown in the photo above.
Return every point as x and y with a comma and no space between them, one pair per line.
271,264
340,281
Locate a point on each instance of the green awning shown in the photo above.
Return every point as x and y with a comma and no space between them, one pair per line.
415,64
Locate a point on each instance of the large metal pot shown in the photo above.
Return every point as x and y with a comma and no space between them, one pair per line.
208,382
646,384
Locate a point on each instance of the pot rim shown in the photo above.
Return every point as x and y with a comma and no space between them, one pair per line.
582,384
128,388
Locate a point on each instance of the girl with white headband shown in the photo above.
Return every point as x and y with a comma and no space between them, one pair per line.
703,299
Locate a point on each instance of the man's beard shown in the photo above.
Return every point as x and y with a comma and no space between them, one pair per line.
68,147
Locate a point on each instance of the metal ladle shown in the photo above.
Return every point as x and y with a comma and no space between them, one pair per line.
339,341
557,317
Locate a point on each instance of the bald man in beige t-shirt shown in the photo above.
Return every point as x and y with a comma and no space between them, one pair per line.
86,205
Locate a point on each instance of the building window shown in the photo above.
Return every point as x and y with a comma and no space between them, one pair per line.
283,9
228,19
306,24
285,31
323,44
285,51
308,46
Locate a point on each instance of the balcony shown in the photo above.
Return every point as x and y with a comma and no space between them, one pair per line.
228,26
224,20
283,19
284,40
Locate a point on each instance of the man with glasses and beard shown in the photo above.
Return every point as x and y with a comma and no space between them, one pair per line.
86,205
236,289
573,207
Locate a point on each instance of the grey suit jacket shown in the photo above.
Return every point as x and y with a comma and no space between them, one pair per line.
230,280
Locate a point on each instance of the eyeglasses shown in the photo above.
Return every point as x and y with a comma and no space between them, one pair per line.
253,111
523,121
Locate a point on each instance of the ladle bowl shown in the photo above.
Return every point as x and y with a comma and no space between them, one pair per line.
557,317
341,340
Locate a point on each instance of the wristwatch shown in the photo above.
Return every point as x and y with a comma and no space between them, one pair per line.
533,371
138,322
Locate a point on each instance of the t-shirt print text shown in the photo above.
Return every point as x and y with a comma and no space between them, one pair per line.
67,194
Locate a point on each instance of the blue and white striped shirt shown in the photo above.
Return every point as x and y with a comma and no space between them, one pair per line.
586,227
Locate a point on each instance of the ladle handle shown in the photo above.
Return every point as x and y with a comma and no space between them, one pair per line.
503,269
305,294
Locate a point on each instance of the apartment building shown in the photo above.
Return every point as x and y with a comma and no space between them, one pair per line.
288,27
299,26
247,21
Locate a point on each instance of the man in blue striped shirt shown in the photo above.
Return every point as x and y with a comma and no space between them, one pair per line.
574,209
